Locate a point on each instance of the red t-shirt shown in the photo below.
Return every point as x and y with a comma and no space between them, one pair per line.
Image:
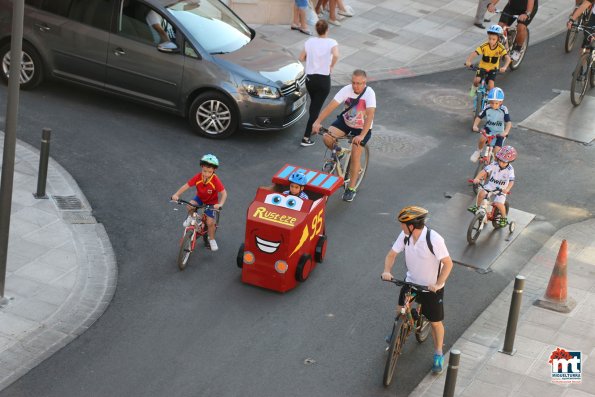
207,191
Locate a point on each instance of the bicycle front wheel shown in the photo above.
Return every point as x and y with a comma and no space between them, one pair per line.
514,65
571,35
475,228
580,79
185,250
478,103
399,335
422,329
364,158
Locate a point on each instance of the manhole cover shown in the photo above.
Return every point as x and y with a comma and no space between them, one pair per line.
68,203
452,102
404,145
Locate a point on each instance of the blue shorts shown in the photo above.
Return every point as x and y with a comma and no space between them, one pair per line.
210,213
340,124
301,3
499,141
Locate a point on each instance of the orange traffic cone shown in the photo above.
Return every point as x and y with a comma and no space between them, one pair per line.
556,294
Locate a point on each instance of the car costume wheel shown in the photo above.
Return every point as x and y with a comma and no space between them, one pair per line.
304,268
240,257
320,249
31,74
213,115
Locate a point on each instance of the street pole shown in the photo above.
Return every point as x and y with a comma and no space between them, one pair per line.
10,136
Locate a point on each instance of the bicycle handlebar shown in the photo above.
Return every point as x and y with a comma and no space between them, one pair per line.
205,206
499,190
423,288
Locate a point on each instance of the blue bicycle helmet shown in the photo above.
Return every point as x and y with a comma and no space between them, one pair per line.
496,29
209,159
496,94
298,178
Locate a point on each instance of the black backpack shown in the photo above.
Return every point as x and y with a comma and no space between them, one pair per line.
428,241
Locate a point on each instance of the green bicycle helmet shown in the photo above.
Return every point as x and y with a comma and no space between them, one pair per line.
209,159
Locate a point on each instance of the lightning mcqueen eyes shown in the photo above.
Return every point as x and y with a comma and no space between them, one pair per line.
290,202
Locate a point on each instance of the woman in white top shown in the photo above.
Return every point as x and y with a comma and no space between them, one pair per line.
320,54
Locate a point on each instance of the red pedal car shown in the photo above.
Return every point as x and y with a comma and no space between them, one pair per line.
285,235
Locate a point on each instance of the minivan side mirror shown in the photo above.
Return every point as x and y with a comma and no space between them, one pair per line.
168,47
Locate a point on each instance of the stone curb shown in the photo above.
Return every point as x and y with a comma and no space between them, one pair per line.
92,292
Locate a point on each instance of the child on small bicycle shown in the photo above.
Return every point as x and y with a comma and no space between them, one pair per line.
491,53
501,175
497,124
297,181
208,187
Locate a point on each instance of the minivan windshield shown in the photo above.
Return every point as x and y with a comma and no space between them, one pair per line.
212,25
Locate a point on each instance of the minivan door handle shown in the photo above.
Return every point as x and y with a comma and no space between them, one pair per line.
43,28
118,51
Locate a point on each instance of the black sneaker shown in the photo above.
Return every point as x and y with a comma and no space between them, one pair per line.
306,142
349,194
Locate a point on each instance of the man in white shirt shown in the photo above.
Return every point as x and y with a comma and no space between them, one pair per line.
429,264
356,121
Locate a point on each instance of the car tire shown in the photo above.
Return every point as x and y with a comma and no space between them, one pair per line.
304,268
213,115
34,68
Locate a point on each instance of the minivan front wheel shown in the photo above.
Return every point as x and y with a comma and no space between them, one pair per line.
213,115
31,66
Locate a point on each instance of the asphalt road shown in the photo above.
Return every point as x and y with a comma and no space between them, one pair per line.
202,332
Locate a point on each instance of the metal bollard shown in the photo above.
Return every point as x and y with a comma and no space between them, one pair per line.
513,315
44,156
451,373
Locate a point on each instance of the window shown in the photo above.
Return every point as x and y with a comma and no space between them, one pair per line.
58,7
141,22
96,13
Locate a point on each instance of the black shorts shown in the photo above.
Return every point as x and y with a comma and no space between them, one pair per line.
340,124
518,9
489,74
431,303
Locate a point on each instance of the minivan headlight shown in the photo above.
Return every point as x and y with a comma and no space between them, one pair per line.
261,90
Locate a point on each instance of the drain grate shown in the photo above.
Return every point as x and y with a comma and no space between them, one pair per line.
68,203
78,217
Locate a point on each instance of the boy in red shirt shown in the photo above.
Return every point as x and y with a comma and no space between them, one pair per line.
208,186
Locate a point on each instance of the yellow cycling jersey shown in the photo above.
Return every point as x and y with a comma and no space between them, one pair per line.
490,58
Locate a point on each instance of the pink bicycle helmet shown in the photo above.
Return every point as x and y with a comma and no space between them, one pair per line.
507,154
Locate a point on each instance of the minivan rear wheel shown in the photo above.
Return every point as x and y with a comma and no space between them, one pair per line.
31,66
213,115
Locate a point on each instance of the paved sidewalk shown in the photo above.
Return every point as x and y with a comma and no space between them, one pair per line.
483,371
403,38
61,270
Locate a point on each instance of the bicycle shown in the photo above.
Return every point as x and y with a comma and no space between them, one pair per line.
339,162
487,212
486,156
584,72
510,33
572,33
481,93
407,320
196,229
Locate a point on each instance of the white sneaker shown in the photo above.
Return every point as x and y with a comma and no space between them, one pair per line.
188,221
515,55
475,156
213,245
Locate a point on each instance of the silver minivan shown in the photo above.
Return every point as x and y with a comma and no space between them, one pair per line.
196,58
